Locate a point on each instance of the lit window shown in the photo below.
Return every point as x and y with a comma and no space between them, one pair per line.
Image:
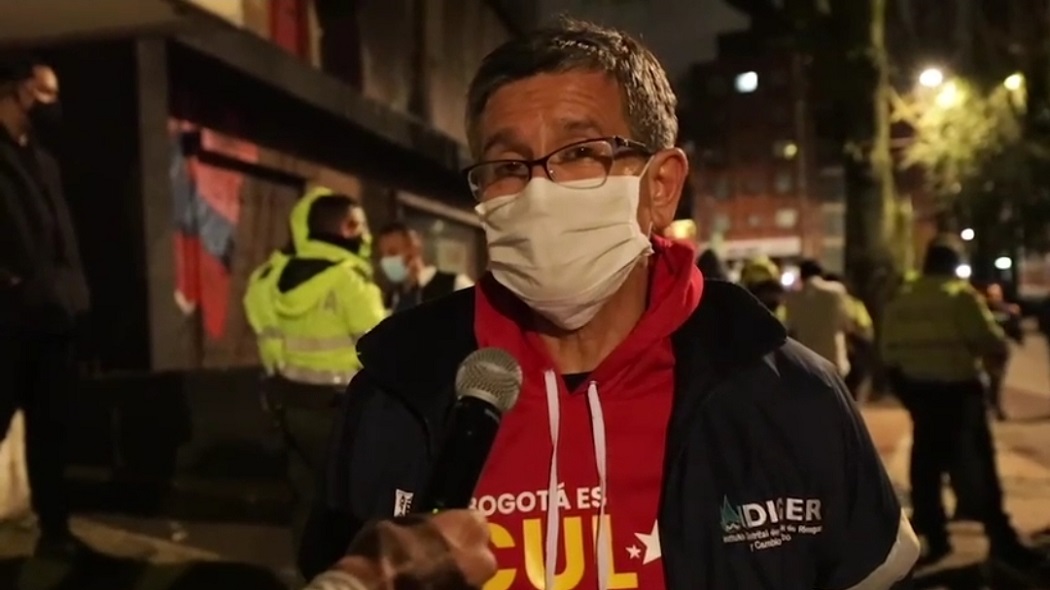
721,223
786,150
747,82
786,218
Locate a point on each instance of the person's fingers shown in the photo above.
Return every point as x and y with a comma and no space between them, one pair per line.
462,528
467,533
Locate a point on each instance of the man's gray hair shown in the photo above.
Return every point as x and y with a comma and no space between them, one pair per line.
578,45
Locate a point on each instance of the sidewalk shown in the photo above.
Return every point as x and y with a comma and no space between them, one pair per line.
126,561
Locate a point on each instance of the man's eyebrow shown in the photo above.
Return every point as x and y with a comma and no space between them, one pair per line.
504,137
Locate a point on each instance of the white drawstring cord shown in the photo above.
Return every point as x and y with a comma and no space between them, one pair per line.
603,544
553,519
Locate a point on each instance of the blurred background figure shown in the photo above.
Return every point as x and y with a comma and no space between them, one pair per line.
412,278
307,308
819,315
710,265
935,335
860,339
761,276
43,292
1008,316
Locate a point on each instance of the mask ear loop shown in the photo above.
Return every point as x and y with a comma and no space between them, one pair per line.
645,170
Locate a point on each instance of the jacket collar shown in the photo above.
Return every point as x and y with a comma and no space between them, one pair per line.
334,250
414,354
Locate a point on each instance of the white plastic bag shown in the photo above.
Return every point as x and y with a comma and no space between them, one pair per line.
14,481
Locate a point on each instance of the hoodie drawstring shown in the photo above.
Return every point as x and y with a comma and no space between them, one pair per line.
603,543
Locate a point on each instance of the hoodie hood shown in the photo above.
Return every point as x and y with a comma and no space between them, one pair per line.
300,230
310,275
301,212
307,295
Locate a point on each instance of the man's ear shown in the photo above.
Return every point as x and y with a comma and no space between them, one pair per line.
666,179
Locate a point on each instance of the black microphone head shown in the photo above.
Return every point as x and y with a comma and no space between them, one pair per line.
491,375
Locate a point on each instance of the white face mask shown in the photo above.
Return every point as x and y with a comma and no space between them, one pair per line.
565,251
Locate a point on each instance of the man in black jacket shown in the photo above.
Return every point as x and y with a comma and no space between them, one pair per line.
42,290
413,281
668,434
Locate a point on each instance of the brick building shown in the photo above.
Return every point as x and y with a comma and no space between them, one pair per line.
767,173
760,186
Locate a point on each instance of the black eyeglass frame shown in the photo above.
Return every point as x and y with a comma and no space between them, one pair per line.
622,147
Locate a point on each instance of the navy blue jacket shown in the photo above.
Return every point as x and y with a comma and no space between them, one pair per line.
771,479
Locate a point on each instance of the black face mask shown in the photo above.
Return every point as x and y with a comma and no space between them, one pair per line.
46,118
353,244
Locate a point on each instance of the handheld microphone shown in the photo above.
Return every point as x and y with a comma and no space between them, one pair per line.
488,383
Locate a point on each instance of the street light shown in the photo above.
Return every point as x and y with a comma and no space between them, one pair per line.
931,77
1014,81
967,235
963,271
1004,263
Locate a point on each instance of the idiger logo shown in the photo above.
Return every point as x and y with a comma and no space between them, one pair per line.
770,523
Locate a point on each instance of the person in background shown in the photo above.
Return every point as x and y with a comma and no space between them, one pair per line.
308,307
710,265
860,339
761,277
43,291
819,316
414,281
1008,316
935,334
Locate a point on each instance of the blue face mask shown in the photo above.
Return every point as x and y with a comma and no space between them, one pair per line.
394,268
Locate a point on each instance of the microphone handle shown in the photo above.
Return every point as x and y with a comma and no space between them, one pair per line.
469,436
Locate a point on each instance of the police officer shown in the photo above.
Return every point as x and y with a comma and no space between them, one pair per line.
308,304
936,332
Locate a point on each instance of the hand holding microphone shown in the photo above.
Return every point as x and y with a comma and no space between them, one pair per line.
445,547
447,551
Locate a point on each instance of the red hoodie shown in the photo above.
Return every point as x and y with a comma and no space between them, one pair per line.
617,417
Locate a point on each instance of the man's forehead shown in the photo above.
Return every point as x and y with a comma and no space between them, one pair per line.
576,103
518,134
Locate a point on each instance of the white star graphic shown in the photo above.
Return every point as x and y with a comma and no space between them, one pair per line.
651,542
635,552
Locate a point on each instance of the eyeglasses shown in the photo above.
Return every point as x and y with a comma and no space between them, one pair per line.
585,164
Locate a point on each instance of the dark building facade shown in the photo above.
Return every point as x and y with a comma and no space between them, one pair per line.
192,127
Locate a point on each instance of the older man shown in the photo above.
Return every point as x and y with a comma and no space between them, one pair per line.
668,434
